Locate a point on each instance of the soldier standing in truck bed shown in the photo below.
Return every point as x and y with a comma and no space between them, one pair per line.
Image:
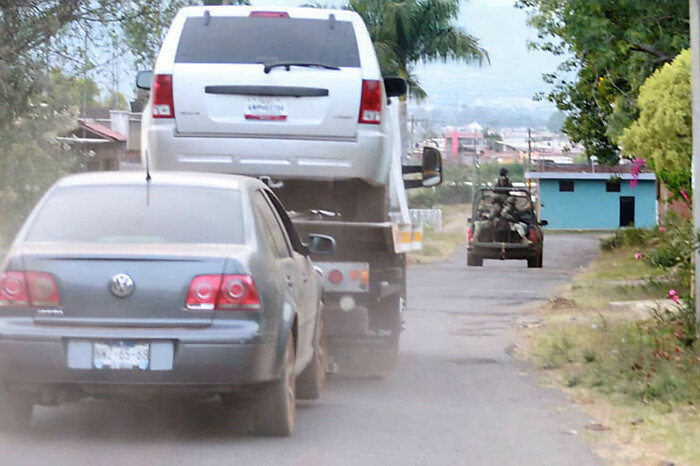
503,180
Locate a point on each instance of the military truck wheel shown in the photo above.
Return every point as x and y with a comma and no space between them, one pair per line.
474,261
310,381
535,262
276,410
15,411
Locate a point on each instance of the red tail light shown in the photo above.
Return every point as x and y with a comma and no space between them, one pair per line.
163,105
371,102
269,14
227,292
238,292
533,235
335,277
13,289
470,234
43,291
36,289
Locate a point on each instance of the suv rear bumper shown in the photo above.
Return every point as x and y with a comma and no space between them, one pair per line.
365,157
40,356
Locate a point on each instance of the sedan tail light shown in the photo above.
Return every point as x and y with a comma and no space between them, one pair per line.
163,102
36,289
13,289
222,293
371,102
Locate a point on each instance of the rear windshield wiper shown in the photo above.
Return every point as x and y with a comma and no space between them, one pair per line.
288,64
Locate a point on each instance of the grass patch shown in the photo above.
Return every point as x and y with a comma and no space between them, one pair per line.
438,245
618,276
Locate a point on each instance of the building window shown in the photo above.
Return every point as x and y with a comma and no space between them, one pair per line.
613,186
566,186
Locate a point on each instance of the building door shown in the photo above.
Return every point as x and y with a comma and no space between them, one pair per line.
626,211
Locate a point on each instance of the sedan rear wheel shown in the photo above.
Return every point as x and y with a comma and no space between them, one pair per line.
276,410
310,382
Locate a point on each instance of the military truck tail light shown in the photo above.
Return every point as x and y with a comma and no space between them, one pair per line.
238,292
470,234
533,235
163,103
371,102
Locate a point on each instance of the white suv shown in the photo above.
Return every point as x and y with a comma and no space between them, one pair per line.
288,93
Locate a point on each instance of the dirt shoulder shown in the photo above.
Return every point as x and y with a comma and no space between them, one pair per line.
439,245
615,343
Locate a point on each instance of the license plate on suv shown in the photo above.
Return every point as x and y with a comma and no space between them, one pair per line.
265,109
120,355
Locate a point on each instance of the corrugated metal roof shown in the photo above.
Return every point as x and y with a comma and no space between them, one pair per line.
102,130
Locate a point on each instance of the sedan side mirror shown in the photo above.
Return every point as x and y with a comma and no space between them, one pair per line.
144,80
320,244
395,87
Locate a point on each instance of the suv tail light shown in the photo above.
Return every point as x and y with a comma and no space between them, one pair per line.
371,102
163,105
36,289
222,292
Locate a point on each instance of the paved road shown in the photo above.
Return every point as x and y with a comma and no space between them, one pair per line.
457,397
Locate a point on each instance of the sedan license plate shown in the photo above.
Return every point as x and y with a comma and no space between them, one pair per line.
124,355
265,109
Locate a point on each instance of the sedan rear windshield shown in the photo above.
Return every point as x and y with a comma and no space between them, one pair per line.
139,214
249,40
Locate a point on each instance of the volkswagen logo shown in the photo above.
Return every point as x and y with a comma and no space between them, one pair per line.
121,285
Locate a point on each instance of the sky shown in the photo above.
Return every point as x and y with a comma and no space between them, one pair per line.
512,78
514,75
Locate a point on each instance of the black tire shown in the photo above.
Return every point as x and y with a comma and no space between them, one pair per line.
15,411
535,262
310,381
275,411
474,261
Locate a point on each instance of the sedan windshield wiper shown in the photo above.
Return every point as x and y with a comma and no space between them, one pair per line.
288,64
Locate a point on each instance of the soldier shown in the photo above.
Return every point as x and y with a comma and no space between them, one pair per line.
511,214
503,180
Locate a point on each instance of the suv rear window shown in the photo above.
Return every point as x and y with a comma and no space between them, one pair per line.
137,214
248,40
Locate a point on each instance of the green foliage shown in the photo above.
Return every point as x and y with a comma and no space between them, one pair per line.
612,47
663,133
406,32
636,237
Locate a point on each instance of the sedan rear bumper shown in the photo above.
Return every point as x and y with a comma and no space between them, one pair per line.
198,357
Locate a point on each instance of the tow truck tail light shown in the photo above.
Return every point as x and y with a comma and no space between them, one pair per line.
222,293
238,292
13,289
371,102
163,103
335,277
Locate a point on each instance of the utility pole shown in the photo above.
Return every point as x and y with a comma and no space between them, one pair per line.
529,157
695,53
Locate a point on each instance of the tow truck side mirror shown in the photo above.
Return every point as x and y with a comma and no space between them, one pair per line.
430,170
320,244
144,79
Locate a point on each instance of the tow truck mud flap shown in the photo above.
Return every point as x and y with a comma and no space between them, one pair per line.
366,356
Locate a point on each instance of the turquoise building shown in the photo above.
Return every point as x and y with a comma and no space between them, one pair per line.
576,197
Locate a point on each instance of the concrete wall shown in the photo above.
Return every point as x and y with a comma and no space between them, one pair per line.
590,207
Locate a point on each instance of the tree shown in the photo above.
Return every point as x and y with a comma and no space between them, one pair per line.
406,32
663,132
611,47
